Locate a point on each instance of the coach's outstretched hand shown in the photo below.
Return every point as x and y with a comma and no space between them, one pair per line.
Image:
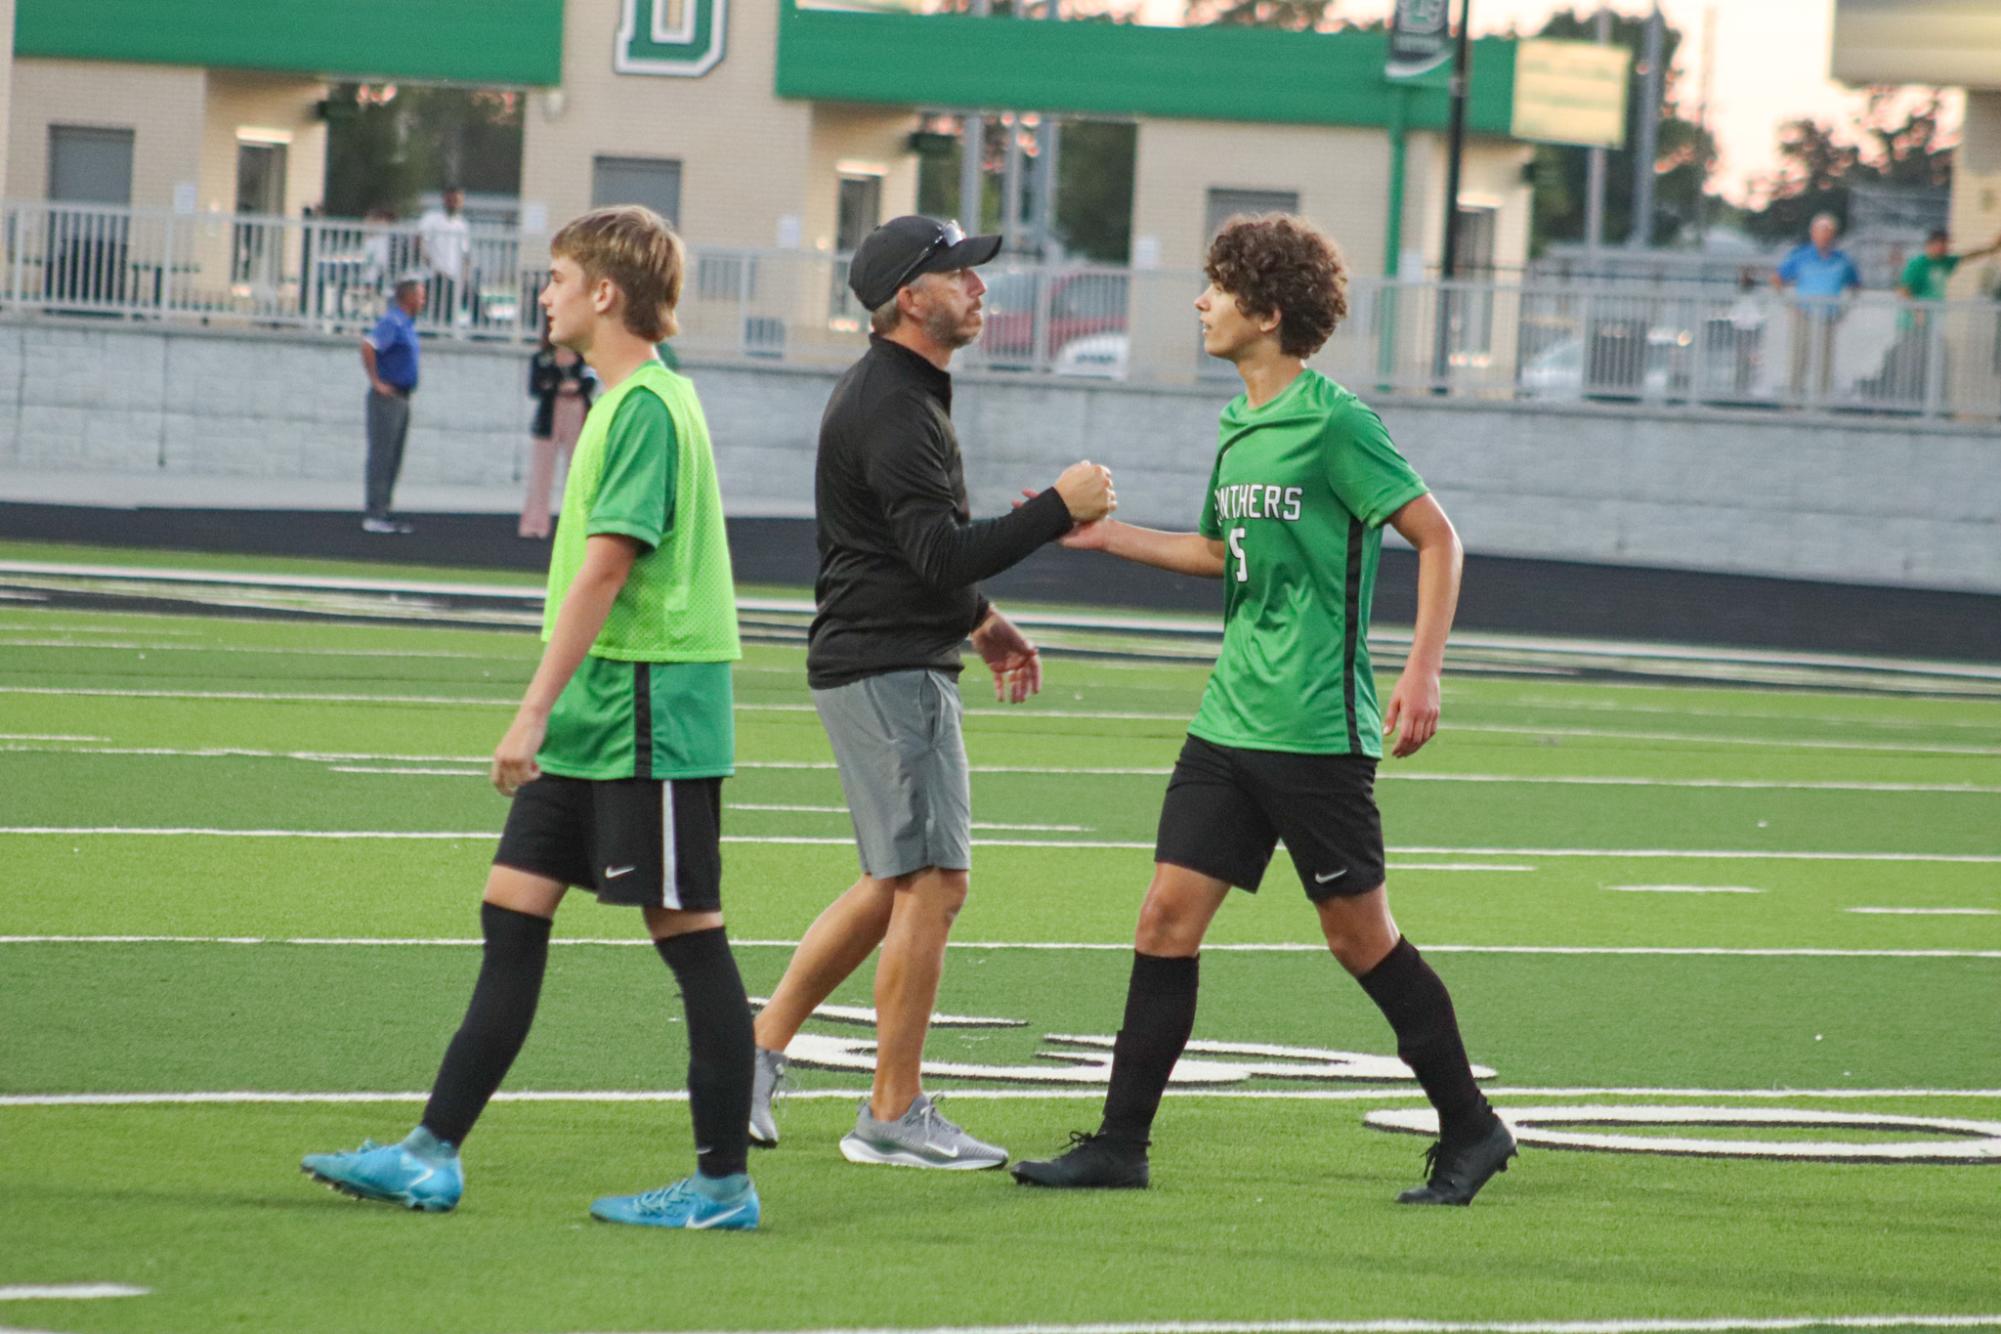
1087,489
1414,703
514,758
1016,665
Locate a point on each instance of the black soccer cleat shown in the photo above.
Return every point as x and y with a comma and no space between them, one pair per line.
1454,1173
1091,1162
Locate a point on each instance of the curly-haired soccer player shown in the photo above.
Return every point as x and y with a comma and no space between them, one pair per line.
616,757
1286,740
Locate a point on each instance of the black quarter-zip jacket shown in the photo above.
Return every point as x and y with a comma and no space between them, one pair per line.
901,556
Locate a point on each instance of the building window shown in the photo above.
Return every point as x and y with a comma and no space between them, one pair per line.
1227,204
85,248
859,211
1471,309
88,165
257,246
652,181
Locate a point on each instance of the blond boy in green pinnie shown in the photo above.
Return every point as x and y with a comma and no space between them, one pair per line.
616,756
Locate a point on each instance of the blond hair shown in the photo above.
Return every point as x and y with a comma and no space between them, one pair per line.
638,252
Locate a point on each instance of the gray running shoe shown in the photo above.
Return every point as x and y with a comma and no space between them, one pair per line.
919,1138
767,1077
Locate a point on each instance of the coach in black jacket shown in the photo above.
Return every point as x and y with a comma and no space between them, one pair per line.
900,561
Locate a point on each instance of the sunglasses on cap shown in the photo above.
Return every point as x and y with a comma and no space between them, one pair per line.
948,235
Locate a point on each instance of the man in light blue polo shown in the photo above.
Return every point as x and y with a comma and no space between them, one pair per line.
389,355
1819,275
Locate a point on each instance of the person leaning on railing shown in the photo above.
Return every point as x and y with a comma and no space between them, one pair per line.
1819,275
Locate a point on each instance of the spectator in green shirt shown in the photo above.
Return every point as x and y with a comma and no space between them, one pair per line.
1925,277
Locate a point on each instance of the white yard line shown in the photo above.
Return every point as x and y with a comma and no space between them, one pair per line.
1747,715
1621,854
1047,946
1706,1325
67,1292
1413,1325
1715,739
791,808
1031,714
10,742
1372,1093
1193,625
132,645
1928,912
264,696
1683,889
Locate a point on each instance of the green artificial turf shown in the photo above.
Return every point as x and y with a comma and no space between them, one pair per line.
1516,830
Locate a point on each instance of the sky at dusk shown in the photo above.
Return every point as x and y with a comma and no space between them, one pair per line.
1771,64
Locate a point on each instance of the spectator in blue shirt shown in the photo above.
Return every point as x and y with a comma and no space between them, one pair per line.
1818,275
389,354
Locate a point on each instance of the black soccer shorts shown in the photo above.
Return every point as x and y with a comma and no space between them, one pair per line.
1227,807
635,841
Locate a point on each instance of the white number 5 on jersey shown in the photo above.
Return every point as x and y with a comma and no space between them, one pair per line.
1237,550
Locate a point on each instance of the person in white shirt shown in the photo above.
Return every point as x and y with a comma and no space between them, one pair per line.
445,241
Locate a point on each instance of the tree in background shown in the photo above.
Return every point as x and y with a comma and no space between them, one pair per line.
1094,189
1902,145
1560,172
1094,183
388,144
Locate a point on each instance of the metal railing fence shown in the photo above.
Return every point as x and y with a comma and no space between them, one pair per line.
1534,341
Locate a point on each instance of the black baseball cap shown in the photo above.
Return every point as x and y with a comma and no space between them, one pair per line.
902,248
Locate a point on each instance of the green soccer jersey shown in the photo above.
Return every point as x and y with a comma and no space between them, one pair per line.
1299,494
652,699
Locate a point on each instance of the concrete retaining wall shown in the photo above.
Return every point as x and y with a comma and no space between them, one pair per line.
1852,499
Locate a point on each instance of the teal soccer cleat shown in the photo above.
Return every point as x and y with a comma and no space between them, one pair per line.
422,1172
698,1203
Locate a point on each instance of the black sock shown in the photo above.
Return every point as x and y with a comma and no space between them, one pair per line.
1419,1008
1160,1013
496,1022
719,1047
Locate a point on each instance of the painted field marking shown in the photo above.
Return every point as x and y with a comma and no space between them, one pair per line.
1928,912
1057,715
1683,889
1940,1140
134,646
47,736
408,771
790,808
67,1292
46,623
1088,771
1055,946
1193,626
1627,854
1377,1093
1701,1325
1747,715
264,696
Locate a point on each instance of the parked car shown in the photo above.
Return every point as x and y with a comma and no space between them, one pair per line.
1080,303
1101,356
1558,371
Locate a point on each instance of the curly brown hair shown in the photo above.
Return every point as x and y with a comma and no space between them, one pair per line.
1275,263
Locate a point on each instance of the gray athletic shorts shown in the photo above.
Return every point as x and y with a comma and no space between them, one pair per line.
902,759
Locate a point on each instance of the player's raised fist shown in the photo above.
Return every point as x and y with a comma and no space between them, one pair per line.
1086,488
